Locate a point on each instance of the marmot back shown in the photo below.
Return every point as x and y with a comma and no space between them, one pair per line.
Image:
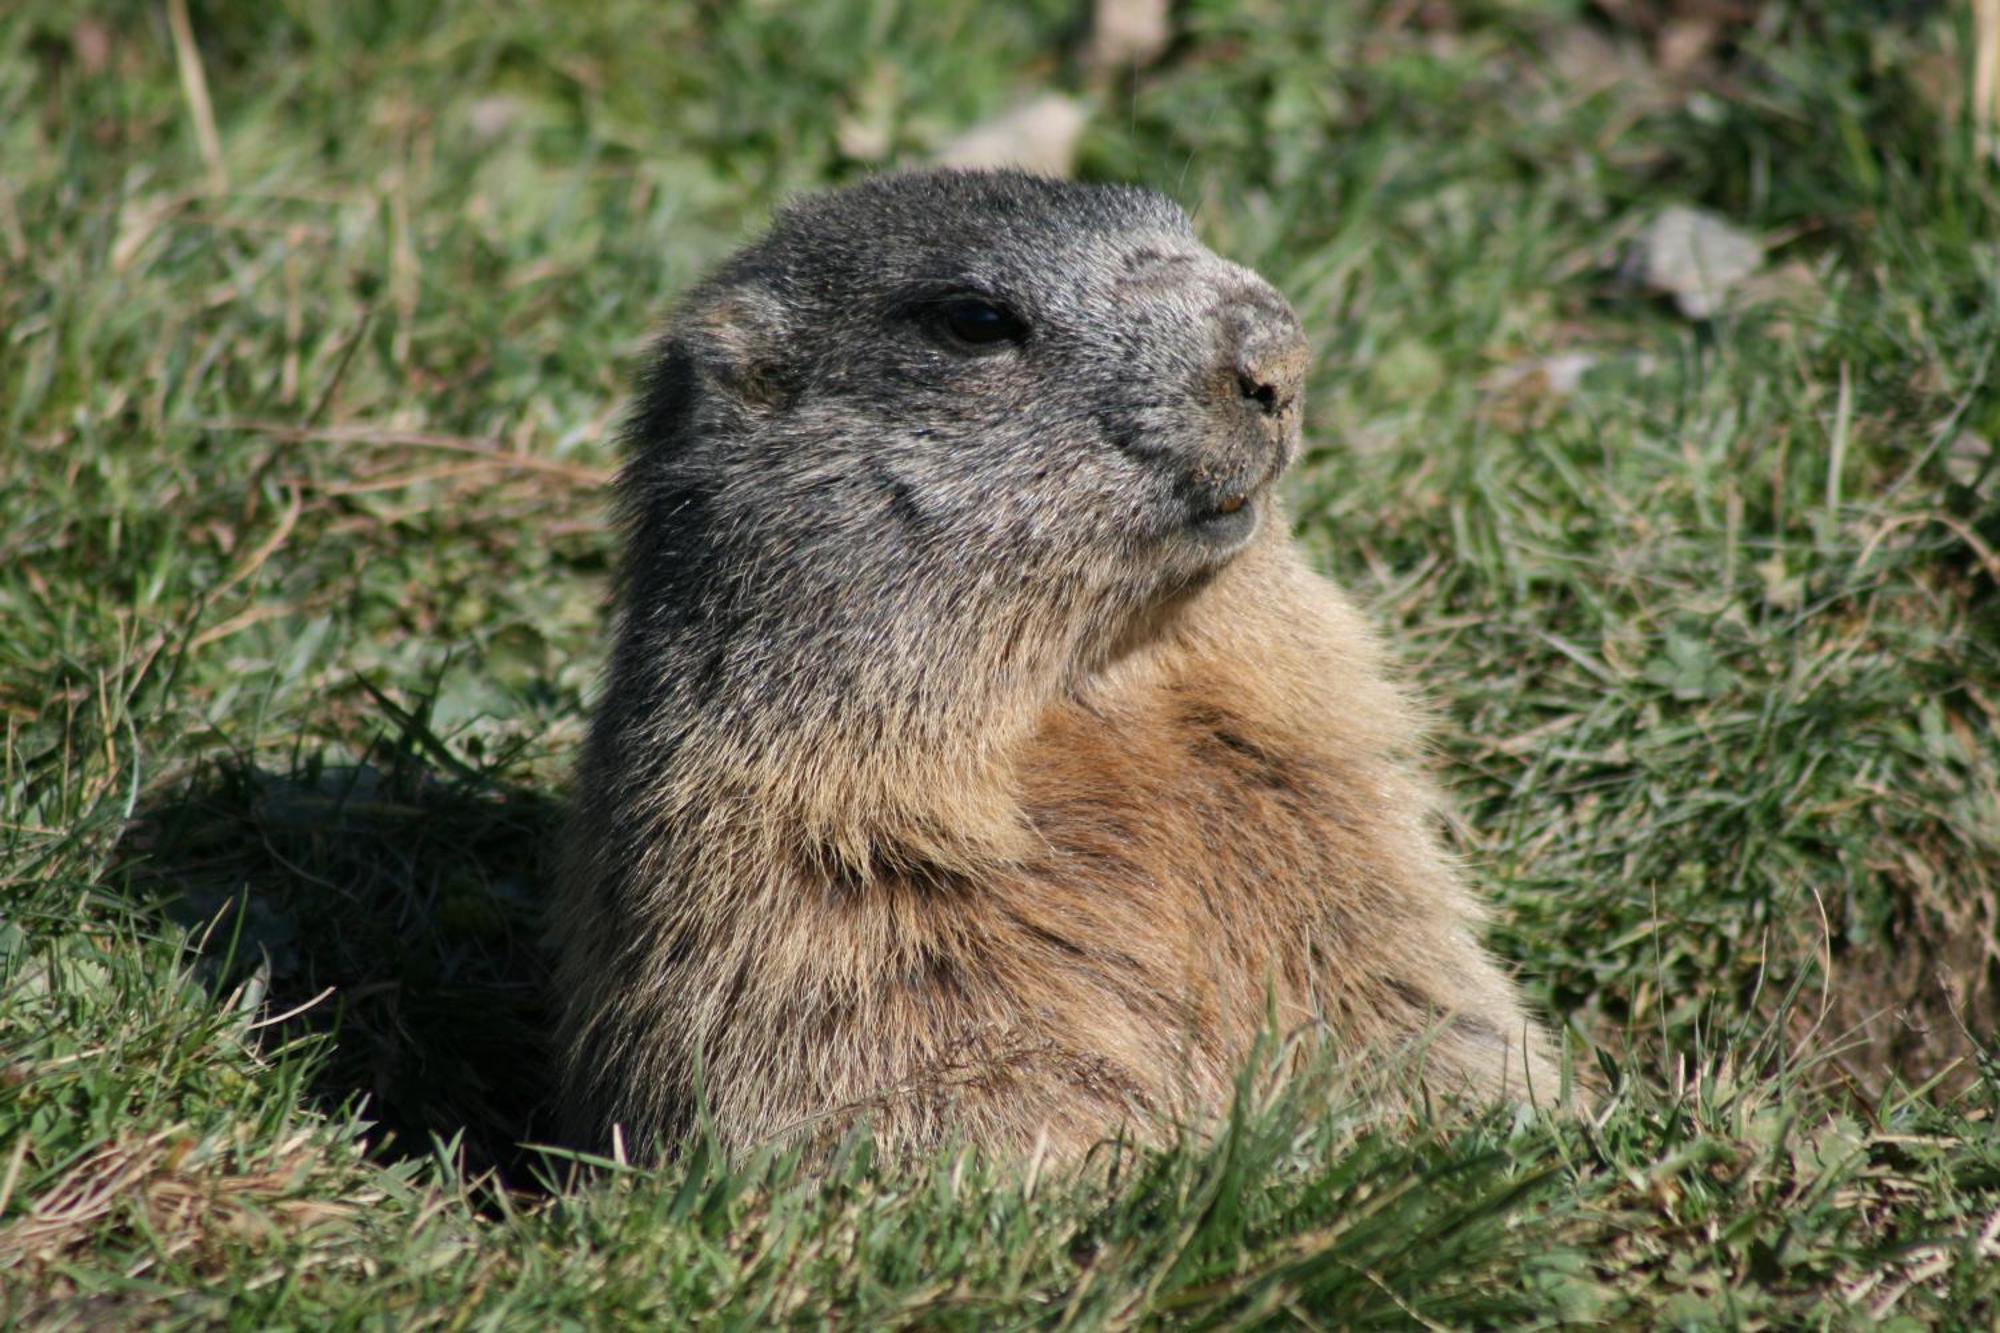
977,753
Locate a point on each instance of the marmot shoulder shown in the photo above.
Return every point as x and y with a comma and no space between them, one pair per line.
977,752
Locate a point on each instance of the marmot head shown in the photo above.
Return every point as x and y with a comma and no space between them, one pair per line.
1055,378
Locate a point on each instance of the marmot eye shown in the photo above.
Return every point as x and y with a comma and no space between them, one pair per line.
980,323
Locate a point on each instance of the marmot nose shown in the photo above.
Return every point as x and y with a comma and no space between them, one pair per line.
1267,359
1267,397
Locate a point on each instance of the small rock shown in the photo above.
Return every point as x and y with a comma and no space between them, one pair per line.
1783,590
1559,375
1695,257
1969,461
492,117
1587,62
1128,34
1038,136
862,139
1684,45
91,40
1522,394
867,132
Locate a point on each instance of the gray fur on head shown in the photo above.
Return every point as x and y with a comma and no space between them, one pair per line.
829,497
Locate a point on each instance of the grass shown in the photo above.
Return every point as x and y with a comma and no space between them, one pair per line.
302,435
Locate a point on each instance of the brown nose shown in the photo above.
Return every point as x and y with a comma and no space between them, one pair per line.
1266,354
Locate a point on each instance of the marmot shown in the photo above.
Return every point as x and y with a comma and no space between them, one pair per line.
977,752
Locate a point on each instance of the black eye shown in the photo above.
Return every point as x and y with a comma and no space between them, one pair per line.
980,323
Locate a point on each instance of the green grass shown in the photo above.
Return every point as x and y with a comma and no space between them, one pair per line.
303,562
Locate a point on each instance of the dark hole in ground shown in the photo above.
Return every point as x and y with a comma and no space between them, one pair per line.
412,895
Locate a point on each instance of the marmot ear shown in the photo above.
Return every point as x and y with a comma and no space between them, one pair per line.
735,336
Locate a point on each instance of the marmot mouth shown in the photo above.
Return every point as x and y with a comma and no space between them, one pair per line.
1225,524
1232,498
1223,510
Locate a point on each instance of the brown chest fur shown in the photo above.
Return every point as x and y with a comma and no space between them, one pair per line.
1219,834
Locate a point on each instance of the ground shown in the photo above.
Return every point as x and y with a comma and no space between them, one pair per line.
315,324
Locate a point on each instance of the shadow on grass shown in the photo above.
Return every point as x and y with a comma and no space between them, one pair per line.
392,908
